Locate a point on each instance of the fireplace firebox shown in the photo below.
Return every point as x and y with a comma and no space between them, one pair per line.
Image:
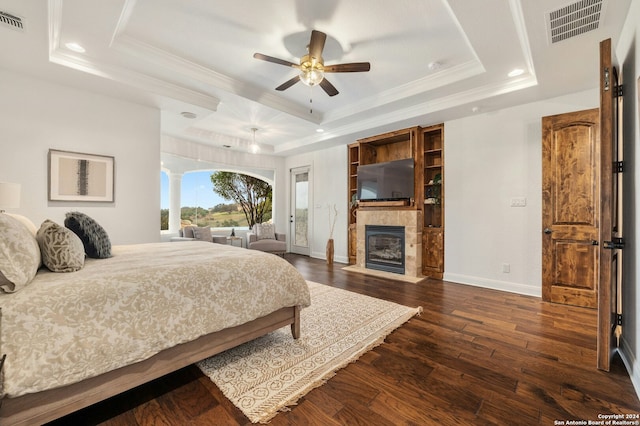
384,248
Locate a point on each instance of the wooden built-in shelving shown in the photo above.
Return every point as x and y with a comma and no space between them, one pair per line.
433,203
426,147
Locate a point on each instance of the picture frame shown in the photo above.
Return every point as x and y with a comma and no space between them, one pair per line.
75,176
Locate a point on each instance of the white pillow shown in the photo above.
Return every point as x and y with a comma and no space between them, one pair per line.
19,254
265,231
26,222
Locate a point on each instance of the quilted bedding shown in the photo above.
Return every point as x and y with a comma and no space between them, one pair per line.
65,327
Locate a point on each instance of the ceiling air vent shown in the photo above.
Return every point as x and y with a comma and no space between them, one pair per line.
11,21
575,19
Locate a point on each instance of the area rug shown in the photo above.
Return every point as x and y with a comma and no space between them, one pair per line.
269,374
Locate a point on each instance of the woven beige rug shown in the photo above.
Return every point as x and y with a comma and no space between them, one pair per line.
271,373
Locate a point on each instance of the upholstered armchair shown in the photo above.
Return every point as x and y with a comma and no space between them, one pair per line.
264,238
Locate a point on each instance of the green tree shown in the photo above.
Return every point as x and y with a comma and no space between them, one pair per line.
252,194
164,219
225,208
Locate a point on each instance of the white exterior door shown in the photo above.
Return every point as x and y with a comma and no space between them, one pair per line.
299,214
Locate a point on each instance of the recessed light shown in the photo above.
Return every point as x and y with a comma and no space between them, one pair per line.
188,114
226,146
75,47
433,66
516,72
319,130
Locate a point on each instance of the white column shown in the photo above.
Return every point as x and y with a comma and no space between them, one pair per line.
175,184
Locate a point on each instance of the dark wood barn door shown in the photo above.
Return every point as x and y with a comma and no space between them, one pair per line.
610,289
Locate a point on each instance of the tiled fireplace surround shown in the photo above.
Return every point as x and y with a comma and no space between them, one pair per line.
412,222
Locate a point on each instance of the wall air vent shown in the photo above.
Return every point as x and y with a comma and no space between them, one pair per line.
11,21
575,19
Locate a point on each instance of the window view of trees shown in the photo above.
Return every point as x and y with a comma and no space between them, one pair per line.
253,195
251,204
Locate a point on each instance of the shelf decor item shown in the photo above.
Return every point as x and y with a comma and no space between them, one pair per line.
74,176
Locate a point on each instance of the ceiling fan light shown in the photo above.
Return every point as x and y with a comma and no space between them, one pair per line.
312,77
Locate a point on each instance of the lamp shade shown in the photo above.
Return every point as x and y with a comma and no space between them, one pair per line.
9,195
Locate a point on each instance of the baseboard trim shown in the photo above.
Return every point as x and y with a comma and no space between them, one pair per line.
322,255
629,360
511,287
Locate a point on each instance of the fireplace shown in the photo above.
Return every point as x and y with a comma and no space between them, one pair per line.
384,248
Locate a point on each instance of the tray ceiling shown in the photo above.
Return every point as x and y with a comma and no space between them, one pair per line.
431,60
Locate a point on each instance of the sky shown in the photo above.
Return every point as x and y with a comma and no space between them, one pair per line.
196,186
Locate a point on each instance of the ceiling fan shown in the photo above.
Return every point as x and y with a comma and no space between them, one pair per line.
312,67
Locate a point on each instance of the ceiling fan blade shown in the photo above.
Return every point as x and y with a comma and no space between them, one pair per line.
288,83
353,67
275,60
328,87
316,45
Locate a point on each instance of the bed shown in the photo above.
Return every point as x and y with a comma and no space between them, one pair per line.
73,339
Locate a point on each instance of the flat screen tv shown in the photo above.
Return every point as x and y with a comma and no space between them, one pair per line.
389,181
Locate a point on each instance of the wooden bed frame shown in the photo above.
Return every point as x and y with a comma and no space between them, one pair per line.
49,405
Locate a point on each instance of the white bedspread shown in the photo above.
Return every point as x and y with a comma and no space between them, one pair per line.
65,327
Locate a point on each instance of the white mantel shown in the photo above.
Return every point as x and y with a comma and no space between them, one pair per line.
412,222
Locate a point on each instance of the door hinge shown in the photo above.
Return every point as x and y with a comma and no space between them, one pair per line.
619,319
618,92
618,166
615,243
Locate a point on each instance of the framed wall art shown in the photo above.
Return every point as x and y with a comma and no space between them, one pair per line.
74,176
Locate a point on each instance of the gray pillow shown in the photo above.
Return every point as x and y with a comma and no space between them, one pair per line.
61,248
93,236
187,232
19,254
202,233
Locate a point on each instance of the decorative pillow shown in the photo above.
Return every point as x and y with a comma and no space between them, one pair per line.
202,233
93,236
26,222
265,231
19,254
187,232
61,248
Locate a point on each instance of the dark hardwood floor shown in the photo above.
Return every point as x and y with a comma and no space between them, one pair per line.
475,356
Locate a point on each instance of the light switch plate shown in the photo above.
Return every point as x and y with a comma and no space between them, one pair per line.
518,202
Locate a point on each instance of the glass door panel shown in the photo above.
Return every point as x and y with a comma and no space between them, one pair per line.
299,216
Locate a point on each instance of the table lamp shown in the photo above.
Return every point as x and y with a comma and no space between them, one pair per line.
9,196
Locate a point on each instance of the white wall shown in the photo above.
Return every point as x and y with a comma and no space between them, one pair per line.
628,53
36,115
489,159
328,182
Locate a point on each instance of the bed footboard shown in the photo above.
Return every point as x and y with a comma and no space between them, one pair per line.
49,405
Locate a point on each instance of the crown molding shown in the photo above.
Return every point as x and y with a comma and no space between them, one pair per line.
415,111
138,80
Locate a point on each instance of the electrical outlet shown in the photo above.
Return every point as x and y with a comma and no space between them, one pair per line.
518,202
506,268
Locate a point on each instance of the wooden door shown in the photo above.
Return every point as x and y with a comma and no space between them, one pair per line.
571,208
610,289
